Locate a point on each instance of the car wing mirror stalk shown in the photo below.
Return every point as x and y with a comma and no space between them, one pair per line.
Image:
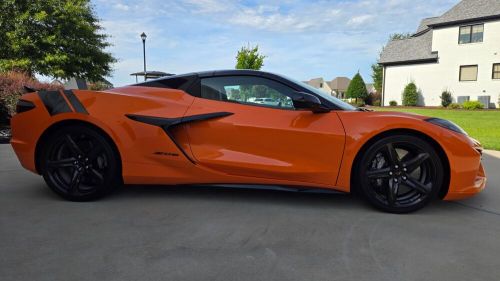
309,102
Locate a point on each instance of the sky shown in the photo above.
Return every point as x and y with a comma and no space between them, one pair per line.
301,39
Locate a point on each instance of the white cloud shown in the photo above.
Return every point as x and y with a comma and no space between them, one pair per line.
121,7
359,20
208,6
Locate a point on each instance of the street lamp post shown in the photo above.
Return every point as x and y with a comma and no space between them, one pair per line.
143,37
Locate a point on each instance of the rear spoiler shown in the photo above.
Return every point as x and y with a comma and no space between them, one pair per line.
28,89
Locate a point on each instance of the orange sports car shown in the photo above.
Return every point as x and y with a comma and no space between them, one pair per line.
241,127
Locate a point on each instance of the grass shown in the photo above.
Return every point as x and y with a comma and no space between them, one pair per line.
483,125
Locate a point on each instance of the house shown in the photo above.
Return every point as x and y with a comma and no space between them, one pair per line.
320,83
339,86
458,51
370,88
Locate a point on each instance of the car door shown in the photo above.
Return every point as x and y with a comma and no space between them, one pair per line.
270,140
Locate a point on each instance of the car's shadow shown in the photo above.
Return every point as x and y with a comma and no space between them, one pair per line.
256,195
240,194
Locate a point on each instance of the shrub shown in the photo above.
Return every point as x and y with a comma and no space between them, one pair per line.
4,115
373,98
454,106
377,103
472,105
410,95
358,103
393,103
12,87
446,98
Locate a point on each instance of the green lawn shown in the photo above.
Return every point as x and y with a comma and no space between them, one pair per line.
481,125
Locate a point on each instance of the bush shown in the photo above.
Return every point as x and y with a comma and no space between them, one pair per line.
358,103
454,106
410,95
472,105
12,87
373,98
377,103
446,98
393,103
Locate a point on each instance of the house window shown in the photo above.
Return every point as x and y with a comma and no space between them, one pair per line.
468,73
471,34
496,71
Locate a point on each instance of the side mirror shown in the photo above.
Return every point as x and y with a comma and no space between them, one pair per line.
309,102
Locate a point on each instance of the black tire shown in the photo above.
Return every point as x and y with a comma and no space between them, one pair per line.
399,174
80,164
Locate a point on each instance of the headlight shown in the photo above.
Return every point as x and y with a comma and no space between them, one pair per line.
446,124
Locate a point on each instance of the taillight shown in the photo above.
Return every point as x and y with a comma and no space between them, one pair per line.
24,105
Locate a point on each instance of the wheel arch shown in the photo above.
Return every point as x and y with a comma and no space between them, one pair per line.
441,153
45,136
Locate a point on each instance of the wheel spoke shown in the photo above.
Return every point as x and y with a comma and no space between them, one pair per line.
417,185
392,193
94,153
62,163
412,164
378,173
72,145
392,154
75,181
98,175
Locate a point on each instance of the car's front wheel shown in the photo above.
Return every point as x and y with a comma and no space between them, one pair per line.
79,163
400,173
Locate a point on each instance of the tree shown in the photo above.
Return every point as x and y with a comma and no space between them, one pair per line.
399,36
378,76
410,95
249,58
357,88
57,38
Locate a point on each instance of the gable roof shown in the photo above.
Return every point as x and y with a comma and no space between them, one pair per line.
340,83
411,50
418,48
316,82
424,24
469,10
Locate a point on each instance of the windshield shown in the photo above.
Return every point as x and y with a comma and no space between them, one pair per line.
341,104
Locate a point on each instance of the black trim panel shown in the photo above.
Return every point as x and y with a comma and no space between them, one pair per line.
54,102
24,105
75,102
168,123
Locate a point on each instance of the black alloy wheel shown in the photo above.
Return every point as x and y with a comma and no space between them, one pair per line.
80,164
400,174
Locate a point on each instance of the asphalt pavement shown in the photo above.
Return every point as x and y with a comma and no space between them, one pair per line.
200,233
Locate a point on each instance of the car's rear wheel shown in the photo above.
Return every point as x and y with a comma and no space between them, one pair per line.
400,174
80,164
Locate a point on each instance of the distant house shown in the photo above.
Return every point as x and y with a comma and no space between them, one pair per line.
371,88
320,83
339,86
458,51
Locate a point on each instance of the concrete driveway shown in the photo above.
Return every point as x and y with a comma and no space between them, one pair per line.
197,233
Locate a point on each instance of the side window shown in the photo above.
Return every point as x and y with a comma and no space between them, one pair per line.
247,90
471,34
